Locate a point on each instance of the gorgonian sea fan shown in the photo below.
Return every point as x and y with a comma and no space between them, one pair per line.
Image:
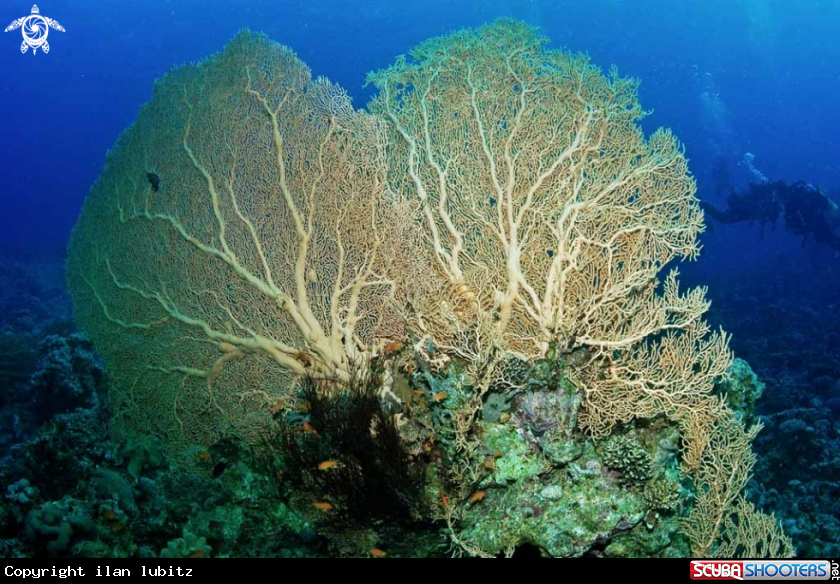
237,238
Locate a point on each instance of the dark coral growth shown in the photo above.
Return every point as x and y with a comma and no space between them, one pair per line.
69,376
349,452
59,458
69,492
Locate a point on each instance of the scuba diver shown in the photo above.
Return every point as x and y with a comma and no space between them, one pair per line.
807,211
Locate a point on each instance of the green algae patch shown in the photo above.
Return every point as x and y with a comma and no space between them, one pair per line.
518,460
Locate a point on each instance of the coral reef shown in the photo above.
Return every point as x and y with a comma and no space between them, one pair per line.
343,449
97,508
535,484
188,546
54,526
536,481
444,316
68,376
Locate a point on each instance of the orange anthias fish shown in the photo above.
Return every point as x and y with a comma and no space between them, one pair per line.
479,496
307,427
439,396
393,347
276,408
323,507
377,553
444,501
328,464
197,554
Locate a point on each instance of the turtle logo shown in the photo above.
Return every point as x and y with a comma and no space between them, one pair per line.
35,29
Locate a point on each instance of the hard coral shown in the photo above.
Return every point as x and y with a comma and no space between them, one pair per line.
629,458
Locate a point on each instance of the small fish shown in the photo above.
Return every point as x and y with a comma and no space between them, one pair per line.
393,347
327,465
325,507
307,427
490,464
277,407
377,553
307,360
438,397
154,181
304,407
204,456
197,554
479,496
443,500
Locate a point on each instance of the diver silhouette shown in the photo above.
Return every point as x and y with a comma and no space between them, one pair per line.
807,211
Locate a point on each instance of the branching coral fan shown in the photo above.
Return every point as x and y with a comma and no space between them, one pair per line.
546,207
251,227
264,248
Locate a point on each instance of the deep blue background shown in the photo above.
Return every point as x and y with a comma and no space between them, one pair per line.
768,69
729,76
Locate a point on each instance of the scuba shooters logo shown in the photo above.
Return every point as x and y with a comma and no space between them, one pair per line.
35,29
765,570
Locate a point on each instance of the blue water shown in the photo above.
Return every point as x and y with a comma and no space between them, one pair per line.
732,78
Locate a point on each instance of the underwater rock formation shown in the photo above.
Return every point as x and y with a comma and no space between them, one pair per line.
69,375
